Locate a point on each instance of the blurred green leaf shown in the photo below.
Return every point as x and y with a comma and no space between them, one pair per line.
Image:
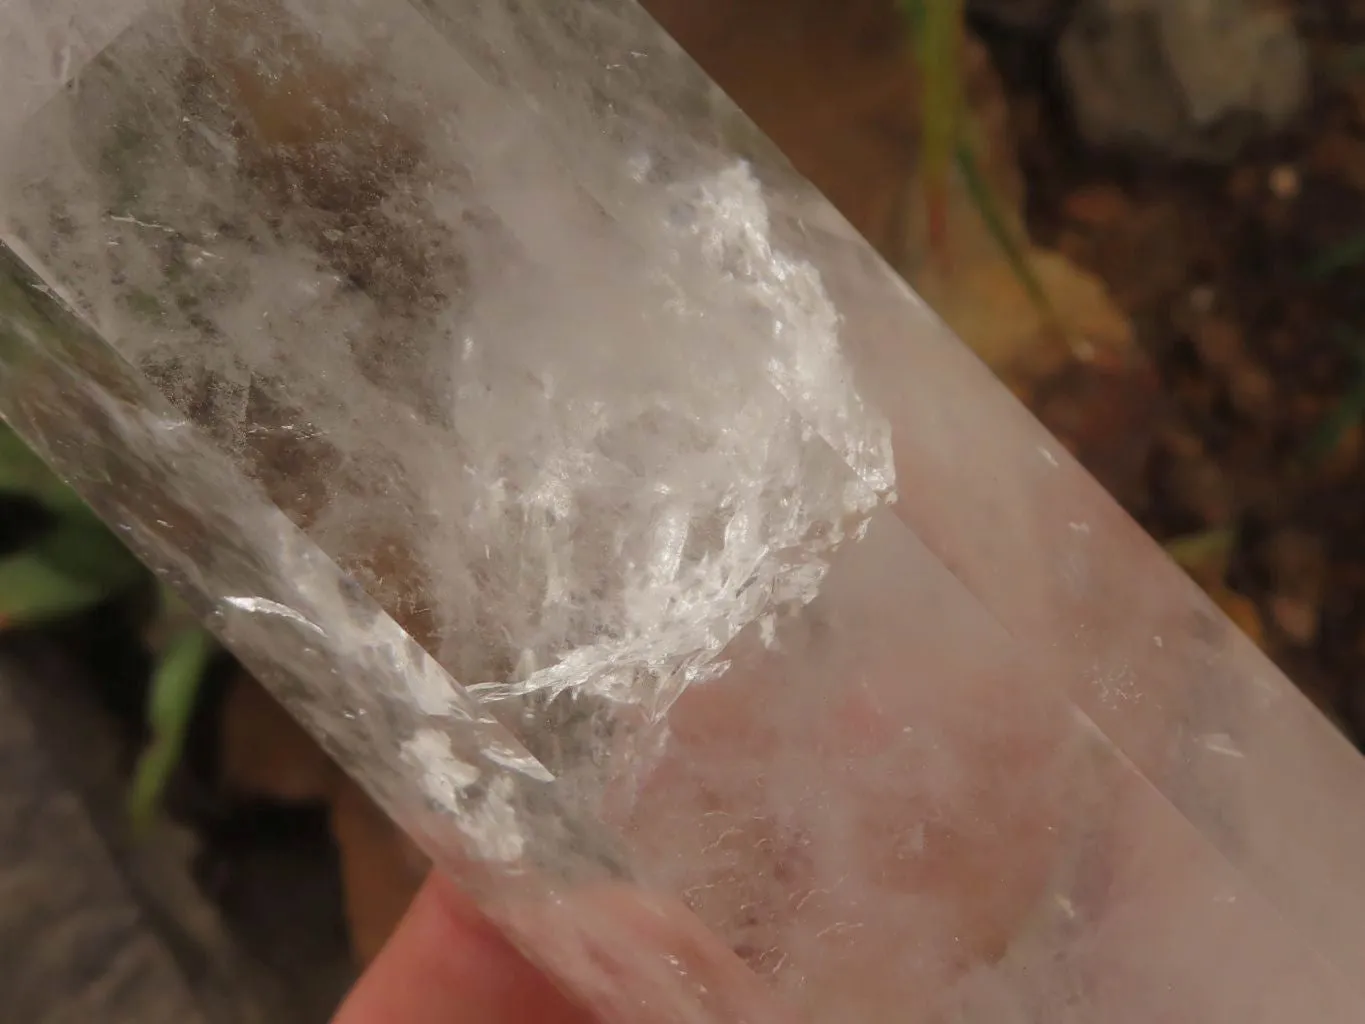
936,28
74,566
1195,551
34,592
87,550
78,545
23,474
170,705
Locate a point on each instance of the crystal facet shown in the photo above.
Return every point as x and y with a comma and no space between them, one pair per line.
601,501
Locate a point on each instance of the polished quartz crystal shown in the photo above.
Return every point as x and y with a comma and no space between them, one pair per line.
596,496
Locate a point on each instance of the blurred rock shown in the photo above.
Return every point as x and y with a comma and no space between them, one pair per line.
265,754
1200,489
1296,564
1097,206
75,943
1252,391
1218,340
1185,79
1340,155
986,303
1242,611
1297,620
381,869
1285,182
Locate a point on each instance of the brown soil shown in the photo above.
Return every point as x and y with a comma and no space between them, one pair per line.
1258,356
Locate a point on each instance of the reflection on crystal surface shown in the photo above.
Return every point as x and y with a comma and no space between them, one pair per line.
536,449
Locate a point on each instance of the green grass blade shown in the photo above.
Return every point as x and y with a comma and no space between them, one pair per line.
171,701
936,28
990,208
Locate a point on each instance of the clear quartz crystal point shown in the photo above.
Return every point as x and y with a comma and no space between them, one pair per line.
503,400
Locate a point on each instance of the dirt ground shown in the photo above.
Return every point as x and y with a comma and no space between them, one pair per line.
1259,345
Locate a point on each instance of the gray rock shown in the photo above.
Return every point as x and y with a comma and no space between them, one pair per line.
102,926
1186,79
74,944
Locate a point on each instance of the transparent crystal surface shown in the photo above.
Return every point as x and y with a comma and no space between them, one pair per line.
512,409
